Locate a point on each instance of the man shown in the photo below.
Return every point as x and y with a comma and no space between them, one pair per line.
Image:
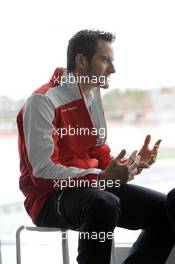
64,160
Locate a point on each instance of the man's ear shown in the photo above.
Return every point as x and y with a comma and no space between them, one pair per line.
81,61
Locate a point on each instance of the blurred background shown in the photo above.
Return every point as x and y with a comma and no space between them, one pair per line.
140,100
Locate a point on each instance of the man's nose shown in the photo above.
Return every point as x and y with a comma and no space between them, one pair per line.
112,68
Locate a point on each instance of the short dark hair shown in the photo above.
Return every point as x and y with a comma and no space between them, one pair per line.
85,42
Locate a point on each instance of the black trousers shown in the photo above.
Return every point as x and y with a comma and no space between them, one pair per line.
171,207
96,212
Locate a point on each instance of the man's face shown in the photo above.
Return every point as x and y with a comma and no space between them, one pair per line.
101,65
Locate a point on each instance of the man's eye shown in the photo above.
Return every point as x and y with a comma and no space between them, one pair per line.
105,60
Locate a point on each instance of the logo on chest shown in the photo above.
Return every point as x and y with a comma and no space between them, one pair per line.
69,108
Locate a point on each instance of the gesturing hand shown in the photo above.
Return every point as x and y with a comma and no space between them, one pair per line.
123,170
148,156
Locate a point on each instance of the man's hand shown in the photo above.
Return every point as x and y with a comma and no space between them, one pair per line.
123,170
148,156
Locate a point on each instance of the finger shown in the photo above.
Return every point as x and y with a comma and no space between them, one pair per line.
135,164
158,142
132,157
121,155
147,140
156,147
155,151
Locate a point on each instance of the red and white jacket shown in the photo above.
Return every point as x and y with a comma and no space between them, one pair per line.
46,156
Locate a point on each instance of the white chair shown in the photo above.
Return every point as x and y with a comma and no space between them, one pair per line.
113,252
65,246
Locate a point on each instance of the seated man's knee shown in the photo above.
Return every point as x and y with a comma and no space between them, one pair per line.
171,198
106,209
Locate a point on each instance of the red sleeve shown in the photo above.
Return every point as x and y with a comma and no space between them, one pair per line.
102,153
